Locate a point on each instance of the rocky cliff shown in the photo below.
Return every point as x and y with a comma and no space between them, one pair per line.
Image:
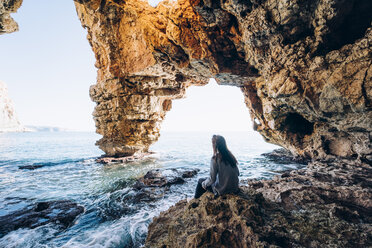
8,119
304,68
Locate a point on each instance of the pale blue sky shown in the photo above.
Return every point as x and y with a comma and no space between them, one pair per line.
48,66
154,2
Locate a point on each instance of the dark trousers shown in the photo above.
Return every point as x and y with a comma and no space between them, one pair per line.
200,190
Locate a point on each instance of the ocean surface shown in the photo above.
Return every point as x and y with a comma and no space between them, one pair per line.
68,171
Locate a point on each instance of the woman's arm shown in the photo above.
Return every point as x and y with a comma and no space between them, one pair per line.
213,174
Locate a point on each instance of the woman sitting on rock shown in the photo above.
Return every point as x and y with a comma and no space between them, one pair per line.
224,173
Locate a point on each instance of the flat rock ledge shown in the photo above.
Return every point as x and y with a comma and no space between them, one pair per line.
325,205
124,159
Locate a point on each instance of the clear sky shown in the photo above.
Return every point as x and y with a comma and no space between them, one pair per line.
48,66
209,108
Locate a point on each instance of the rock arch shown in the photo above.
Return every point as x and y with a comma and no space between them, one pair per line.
293,60
305,96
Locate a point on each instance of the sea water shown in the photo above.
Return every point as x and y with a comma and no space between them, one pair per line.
69,172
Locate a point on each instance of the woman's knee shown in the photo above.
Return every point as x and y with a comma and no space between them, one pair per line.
201,180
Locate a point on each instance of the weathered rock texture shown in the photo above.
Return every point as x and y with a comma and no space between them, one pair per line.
325,205
144,193
60,213
7,24
304,68
8,118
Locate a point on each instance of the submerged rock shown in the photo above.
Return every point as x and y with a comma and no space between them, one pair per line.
31,167
61,213
326,205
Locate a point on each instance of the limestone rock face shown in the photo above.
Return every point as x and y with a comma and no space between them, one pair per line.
7,24
8,118
304,68
325,205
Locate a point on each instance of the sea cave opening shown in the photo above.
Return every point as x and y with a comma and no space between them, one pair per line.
205,111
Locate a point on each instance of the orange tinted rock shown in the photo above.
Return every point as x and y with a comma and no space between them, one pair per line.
303,66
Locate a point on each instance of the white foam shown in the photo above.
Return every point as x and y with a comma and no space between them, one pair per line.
110,234
27,238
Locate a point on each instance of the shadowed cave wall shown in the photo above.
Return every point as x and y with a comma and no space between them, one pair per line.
304,68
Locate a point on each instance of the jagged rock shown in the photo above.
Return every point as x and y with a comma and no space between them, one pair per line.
284,156
165,177
31,167
322,206
147,189
7,24
343,183
8,118
61,213
126,159
304,68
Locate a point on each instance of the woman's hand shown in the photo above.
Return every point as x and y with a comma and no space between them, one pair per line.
204,184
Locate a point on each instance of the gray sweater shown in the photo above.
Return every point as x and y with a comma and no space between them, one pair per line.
223,178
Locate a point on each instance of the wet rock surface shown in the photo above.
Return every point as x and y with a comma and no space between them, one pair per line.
162,178
325,205
31,167
145,192
110,160
283,156
61,213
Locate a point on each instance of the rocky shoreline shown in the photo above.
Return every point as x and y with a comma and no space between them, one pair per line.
305,70
61,214
328,204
